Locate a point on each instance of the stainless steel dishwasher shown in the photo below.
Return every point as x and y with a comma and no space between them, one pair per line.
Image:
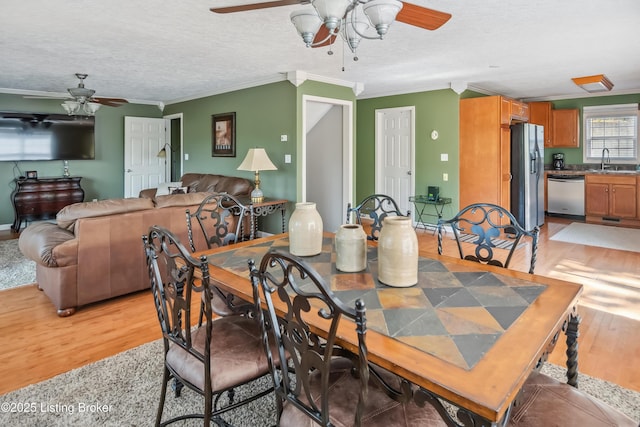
565,194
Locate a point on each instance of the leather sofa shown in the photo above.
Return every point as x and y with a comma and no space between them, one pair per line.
94,250
210,183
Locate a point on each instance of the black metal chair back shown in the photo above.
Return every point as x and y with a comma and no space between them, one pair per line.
488,234
289,286
220,218
176,279
376,207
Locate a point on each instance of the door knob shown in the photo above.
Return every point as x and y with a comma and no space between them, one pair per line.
129,170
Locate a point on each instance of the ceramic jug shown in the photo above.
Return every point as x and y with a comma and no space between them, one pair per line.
305,230
351,248
398,252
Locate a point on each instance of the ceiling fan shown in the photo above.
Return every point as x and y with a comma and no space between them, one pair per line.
332,17
83,99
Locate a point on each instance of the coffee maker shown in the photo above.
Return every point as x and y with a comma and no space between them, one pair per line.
558,161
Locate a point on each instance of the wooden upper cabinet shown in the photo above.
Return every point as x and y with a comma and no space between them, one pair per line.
540,114
519,111
512,110
565,128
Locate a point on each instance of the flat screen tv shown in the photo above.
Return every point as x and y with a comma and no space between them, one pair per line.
33,136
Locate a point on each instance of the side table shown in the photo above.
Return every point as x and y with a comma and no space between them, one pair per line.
422,202
264,208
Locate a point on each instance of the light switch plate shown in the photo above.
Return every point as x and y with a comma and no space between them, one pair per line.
287,158
444,157
445,177
283,138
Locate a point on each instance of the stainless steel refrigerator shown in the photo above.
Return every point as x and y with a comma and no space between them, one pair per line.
527,174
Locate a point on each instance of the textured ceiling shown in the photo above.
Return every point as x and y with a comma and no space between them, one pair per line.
166,51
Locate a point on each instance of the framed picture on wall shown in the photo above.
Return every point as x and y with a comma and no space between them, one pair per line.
223,131
32,174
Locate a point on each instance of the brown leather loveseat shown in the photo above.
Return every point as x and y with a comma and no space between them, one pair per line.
94,250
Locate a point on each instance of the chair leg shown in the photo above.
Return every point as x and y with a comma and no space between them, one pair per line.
177,387
165,379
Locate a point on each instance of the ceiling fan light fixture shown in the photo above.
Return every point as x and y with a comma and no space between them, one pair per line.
351,33
331,11
91,107
307,24
382,13
71,107
594,84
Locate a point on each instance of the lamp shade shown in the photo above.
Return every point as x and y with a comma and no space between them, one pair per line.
331,11
257,160
382,13
307,22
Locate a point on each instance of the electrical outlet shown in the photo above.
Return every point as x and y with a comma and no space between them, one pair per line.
444,157
445,177
287,158
186,156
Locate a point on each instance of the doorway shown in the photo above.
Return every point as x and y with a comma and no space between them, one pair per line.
144,139
395,154
327,157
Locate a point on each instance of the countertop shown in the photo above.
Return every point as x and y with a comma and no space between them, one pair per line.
590,172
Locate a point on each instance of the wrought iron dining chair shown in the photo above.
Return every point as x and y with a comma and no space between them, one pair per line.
326,385
220,218
376,207
488,234
211,359
544,401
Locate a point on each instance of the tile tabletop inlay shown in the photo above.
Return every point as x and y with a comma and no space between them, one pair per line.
456,316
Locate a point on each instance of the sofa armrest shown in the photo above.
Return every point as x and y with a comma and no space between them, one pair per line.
38,242
148,193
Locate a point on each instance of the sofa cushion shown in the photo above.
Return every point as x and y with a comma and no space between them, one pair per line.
188,199
199,182
38,241
165,187
67,217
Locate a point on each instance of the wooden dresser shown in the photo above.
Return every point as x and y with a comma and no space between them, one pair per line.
42,198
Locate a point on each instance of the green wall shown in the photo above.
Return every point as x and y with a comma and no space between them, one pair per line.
435,110
263,114
574,155
102,178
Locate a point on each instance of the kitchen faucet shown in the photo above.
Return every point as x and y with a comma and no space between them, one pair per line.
606,165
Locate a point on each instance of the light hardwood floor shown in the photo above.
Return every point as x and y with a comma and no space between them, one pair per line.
37,344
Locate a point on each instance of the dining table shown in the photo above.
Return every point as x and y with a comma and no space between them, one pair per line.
467,334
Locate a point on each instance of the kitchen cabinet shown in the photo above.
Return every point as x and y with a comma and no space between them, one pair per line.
485,151
610,198
540,114
512,110
565,129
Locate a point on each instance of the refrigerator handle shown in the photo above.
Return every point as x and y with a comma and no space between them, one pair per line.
534,162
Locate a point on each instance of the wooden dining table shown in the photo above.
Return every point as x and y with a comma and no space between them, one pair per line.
466,333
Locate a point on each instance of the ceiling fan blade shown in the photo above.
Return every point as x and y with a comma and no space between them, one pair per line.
322,34
110,102
254,6
422,17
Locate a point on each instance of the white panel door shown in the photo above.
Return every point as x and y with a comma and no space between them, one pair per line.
144,137
395,154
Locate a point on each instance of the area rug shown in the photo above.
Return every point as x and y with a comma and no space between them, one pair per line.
15,269
124,390
604,236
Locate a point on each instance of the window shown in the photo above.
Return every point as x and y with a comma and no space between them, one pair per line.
612,127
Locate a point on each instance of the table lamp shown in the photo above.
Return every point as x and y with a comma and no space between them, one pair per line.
257,160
